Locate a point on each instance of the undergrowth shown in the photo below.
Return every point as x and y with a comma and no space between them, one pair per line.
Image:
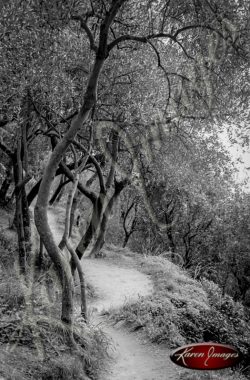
33,341
182,310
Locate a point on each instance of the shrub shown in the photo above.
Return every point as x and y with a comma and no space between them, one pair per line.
8,247
227,319
183,311
11,294
65,367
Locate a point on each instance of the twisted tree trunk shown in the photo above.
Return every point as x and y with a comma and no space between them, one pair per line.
41,208
65,243
100,240
90,232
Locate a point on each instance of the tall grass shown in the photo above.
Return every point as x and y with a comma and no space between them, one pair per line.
182,310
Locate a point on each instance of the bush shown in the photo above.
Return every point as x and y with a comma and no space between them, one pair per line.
150,313
11,294
65,367
8,247
227,319
183,311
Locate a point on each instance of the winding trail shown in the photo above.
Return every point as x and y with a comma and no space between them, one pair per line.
133,359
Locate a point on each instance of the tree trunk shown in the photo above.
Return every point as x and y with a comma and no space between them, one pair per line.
17,164
24,157
78,265
171,240
61,190
100,240
96,223
62,170
40,257
26,217
41,208
33,192
75,203
65,237
59,262
6,184
87,237
126,239
65,243
58,192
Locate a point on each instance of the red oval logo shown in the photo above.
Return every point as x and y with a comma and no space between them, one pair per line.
206,356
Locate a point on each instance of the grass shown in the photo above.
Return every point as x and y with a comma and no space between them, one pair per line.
181,310
160,314
33,341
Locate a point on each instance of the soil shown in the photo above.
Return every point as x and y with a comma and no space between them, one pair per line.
133,357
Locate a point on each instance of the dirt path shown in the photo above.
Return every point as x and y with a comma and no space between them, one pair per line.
133,358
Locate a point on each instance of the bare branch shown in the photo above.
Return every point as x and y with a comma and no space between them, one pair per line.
95,163
114,156
124,38
116,5
173,37
85,27
146,40
165,15
184,50
89,194
163,69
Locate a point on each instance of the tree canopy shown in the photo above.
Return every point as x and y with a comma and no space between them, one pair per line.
134,93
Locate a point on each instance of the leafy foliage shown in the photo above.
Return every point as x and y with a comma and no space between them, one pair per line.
182,63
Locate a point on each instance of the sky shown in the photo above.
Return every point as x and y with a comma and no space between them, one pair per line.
241,158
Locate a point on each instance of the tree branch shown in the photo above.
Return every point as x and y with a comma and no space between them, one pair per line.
85,27
173,37
163,69
114,156
89,194
116,5
95,163
22,183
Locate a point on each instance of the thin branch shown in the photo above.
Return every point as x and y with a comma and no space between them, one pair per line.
22,183
85,27
163,69
116,5
165,15
95,163
184,50
33,135
114,157
173,37
197,26
126,215
89,194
